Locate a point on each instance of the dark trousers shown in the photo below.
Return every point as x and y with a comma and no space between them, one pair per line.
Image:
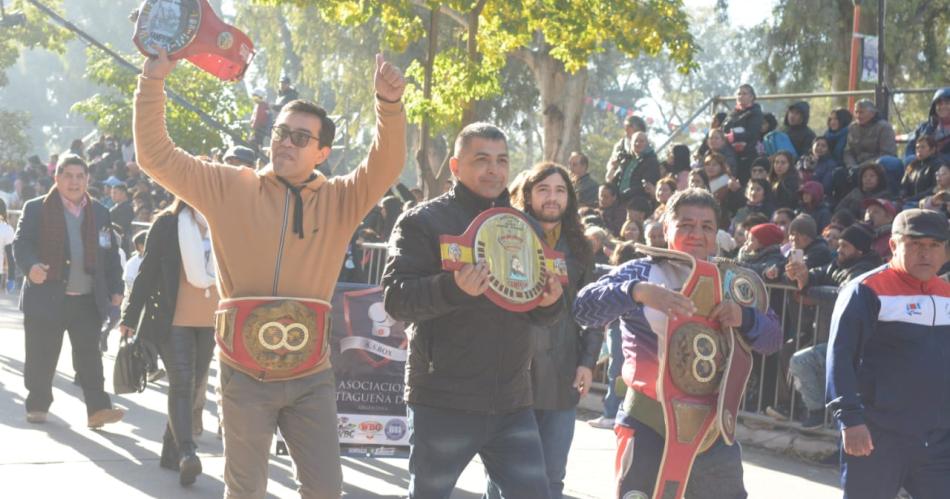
444,441
716,473
921,467
43,336
556,429
186,354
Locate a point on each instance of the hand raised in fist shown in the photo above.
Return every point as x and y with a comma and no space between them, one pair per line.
390,83
159,66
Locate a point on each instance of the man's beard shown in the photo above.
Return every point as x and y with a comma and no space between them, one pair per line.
549,219
847,262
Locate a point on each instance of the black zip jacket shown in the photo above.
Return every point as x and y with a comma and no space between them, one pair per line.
465,352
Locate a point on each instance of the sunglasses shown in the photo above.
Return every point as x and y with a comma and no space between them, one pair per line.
299,138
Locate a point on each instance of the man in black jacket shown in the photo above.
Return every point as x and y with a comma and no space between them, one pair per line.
468,384
65,247
807,366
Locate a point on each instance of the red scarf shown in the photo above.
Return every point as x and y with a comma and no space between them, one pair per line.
53,235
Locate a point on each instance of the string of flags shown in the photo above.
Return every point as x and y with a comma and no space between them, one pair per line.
623,112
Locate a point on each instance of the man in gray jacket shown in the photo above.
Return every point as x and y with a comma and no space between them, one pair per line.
871,138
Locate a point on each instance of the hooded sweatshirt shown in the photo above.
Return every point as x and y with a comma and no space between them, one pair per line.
800,135
250,213
933,126
816,207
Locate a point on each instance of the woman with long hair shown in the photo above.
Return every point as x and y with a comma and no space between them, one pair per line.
172,304
565,354
784,180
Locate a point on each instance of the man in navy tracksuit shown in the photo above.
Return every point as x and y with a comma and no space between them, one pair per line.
889,368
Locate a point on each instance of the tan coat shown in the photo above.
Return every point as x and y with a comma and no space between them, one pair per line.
250,213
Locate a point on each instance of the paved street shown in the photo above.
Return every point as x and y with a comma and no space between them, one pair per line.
64,459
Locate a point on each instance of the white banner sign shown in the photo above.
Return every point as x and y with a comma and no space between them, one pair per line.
373,346
869,67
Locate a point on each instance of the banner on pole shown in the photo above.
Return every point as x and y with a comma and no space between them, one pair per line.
869,67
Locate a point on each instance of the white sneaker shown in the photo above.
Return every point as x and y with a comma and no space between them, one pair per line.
602,423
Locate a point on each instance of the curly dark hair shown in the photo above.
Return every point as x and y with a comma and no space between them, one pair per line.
571,228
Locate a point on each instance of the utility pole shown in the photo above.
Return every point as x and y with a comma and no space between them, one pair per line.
881,92
855,52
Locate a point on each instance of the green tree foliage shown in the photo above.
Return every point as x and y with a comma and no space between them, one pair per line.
33,32
111,111
808,46
568,32
14,142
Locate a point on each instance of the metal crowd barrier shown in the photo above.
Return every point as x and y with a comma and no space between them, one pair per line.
803,325
374,259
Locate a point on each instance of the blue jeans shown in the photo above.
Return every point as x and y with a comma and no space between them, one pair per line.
557,432
614,367
807,369
444,441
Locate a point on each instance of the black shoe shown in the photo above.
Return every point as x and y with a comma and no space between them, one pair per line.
189,469
814,421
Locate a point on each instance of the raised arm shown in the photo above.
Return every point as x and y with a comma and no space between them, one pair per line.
200,184
365,186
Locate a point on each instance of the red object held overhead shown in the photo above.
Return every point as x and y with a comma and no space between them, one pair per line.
190,29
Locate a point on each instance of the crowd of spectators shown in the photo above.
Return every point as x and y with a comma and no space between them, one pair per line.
798,207
807,211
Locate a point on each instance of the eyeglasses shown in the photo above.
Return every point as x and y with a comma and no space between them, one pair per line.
299,138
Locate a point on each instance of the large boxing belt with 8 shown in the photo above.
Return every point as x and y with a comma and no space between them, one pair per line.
703,369
273,338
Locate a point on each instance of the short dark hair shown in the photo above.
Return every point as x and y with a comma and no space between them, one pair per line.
481,130
788,212
636,122
71,159
121,187
692,197
327,126
612,188
582,158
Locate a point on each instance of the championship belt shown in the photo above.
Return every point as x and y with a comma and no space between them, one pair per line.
747,289
703,370
273,338
189,29
505,240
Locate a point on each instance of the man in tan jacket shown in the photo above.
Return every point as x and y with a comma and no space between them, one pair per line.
279,236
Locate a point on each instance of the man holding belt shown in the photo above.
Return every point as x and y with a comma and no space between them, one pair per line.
279,237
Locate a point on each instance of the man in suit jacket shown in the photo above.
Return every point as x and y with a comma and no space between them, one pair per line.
65,247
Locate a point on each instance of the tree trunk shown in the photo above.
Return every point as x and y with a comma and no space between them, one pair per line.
562,104
427,180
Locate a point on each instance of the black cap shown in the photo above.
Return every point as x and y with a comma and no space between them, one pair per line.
243,154
921,223
859,236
